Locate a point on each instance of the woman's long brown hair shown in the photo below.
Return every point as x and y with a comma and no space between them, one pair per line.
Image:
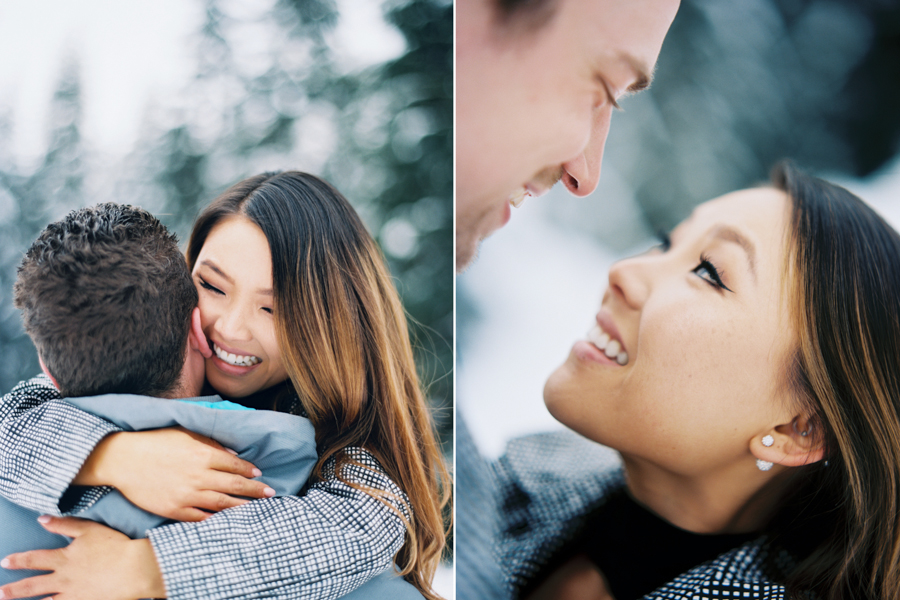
844,274
345,344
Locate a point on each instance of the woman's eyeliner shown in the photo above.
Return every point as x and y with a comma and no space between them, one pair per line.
712,275
209,287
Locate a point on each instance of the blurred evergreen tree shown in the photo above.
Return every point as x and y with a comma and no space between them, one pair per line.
382,135
27,203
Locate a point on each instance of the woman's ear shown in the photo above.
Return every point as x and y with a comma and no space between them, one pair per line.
793,444
196,338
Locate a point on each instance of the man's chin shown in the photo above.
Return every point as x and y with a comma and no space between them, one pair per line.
466,255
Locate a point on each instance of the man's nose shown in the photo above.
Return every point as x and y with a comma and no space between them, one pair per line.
582,173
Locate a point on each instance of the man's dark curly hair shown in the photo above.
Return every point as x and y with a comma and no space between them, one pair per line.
106,297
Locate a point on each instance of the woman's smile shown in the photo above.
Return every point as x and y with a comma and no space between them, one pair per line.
686,351
233,274
233,363
603,343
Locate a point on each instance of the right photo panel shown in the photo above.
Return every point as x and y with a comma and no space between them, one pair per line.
677,316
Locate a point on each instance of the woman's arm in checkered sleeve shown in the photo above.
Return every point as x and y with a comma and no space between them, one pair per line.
44,441
321,545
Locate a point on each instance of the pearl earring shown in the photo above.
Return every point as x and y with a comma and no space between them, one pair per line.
763,465
767,441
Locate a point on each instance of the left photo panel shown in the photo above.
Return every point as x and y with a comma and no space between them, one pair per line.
226,299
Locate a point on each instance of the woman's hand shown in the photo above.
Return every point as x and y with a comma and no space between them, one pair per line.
172,472
99,563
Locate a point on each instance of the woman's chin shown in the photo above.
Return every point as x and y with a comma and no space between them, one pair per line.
559,398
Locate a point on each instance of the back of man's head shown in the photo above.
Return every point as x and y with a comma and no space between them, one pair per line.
106,297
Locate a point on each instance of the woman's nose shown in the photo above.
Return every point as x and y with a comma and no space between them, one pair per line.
231,325
630,280
581,174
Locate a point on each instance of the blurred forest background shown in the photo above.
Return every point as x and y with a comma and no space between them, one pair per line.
269,92
739,85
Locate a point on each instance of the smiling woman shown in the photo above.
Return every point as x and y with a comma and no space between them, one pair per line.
233,274
744,372
299,307
682,313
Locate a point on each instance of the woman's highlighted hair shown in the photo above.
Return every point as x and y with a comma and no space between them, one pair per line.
345,344
844,266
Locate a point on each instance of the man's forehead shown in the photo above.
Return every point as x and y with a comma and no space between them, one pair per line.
626,35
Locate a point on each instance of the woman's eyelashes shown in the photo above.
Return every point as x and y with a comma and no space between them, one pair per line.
206,286
708,272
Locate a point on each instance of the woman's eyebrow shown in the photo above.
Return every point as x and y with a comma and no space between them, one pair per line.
212,265
730,234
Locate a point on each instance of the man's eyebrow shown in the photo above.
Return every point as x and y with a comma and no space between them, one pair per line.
214,267
730,234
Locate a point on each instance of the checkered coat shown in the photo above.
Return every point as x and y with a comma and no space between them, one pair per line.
323,544
547,484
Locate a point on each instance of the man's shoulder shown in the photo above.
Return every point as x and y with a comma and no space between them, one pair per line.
562,458
39,387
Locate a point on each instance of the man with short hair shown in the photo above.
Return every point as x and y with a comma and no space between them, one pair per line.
537,81
115,274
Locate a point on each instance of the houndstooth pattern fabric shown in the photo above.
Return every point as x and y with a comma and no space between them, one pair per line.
549,483
287,547
41,433
479,575
323,544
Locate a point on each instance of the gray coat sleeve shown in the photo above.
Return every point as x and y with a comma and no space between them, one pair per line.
44,441
321,545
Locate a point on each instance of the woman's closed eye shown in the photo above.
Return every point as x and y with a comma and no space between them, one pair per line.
708,272
206,286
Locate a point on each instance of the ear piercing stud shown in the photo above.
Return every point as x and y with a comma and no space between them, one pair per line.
802,433
763,465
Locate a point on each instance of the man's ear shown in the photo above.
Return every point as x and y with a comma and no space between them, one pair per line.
794,444
47,371
196,338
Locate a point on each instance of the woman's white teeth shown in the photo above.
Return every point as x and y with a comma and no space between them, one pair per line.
610,347
236,359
